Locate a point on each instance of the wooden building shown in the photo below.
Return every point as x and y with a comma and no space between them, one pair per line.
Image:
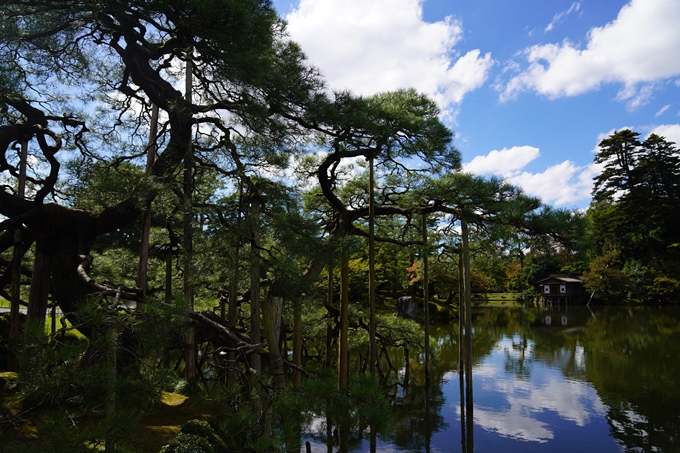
562,289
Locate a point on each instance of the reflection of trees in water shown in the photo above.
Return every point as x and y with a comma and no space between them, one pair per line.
415,420
632,361
629,356
532,341
410,427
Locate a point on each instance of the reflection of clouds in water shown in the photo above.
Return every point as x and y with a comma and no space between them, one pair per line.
527,398
580,357
564,397
514,423
486,370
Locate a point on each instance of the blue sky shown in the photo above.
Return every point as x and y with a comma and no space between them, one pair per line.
529,87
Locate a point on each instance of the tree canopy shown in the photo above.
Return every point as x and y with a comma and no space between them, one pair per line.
635,213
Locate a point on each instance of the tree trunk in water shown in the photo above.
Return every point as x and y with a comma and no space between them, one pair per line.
426,301
146,215
343,349
468,333
461,324
271,314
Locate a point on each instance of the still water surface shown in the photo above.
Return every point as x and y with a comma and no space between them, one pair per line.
569,380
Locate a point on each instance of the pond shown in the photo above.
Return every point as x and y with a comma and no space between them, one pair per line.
568,379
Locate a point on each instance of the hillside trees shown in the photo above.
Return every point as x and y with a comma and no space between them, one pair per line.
635,213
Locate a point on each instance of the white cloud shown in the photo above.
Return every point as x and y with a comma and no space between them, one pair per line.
561,184
380,45
662,110
504,162
557,17
670,131
640,47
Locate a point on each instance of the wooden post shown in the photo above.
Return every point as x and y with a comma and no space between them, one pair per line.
53,325
297,341
426,300
468,331
372,346
329,329
343,350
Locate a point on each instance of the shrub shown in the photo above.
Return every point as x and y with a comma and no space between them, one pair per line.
195,436
189,443
200,428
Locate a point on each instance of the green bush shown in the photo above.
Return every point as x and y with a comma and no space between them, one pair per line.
189,443
195,436
200,428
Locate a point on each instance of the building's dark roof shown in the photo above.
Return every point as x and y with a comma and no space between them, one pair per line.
563,278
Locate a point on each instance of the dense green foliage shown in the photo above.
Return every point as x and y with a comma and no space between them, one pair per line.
635,214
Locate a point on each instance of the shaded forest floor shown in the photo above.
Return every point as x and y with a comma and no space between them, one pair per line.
156,428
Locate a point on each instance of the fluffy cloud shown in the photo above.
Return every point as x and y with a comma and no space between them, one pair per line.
640,47
562,184
670,131
381,45
504,162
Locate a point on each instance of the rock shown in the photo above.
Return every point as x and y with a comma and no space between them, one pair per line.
406,307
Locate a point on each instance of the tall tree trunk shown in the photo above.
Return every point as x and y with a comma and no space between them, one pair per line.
40,284
329,326
111,377
372,347
232,374
297,341
190,346
343,349
255,280
235,268
271,314
461,347
18,253
461,319
426,300
168,275
146,215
